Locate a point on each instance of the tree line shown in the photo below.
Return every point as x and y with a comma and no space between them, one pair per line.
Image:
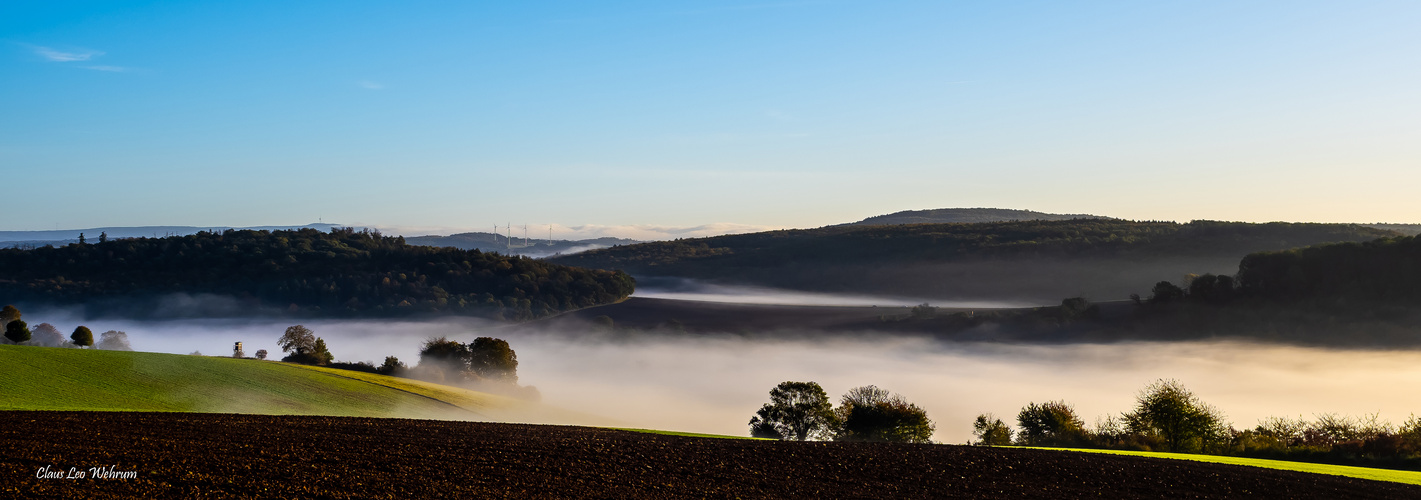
800,411
1348,293
486,363
306,272
1168,417
18,332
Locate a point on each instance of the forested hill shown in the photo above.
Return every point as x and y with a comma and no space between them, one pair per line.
1025,260
1386,270
302,272
965,215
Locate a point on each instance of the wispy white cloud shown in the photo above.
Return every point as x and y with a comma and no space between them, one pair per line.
57,55
369,85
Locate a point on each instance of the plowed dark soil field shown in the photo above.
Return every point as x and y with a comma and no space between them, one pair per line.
185,455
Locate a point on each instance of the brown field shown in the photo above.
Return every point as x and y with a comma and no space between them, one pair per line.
186,455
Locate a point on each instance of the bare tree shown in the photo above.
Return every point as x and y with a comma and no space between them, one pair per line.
297,340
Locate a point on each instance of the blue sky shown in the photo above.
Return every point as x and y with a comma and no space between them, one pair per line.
677,114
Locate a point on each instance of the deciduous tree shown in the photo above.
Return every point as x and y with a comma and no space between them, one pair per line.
8,313
1049,423
17,331
871,414
493,359
796,411
392,366
47,335
991,431
1166,409
82,336
114,340
297,340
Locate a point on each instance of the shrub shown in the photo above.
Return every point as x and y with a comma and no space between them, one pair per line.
991,431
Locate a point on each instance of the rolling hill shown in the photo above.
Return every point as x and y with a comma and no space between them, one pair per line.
1041,261
299,273
964,215
61,237
51,378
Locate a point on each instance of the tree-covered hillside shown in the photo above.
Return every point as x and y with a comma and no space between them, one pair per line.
1032,260
966,215
1385,270
304,272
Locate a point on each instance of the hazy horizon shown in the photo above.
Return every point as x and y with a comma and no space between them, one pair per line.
592,231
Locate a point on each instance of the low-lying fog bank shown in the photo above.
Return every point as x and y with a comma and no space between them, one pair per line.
715,383
688,289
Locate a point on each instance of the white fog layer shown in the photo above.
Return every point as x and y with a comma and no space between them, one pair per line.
714,384
680,289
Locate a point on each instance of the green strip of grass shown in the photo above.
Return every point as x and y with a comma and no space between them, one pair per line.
1396,476
688,434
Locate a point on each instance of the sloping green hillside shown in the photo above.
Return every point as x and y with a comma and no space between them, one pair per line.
1397,476
43,378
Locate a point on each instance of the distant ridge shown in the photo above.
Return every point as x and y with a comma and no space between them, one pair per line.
968,215
61,237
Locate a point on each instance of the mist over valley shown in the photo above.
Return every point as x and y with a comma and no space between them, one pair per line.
712,383
723,249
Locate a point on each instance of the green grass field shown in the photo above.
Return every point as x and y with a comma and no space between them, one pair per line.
43,378
689,434
1398,476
